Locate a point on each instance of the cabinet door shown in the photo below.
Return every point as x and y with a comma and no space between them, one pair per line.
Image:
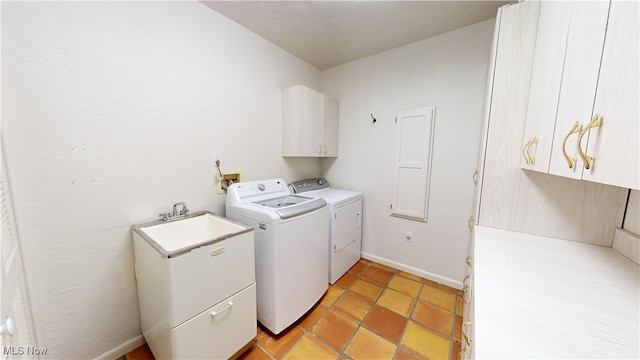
587,26
311,106
615,144
330,126
546,78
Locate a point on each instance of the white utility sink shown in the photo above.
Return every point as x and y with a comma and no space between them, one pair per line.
171,238
196,286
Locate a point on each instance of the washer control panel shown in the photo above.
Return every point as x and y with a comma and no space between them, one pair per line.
309,184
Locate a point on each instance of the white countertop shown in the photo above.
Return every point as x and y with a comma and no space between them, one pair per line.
538,297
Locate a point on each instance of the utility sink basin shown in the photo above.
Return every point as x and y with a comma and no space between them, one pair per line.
172,238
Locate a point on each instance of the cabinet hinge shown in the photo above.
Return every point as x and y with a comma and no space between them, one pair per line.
390,206
396,119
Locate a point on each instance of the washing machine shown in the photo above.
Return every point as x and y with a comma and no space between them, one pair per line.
345,223
291,248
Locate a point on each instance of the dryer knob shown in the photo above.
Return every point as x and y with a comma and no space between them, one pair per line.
320,182
261,187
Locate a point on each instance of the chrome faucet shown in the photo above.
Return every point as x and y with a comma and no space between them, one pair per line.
175,215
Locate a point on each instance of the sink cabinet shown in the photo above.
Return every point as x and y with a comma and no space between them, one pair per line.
309,123
199,302
582,115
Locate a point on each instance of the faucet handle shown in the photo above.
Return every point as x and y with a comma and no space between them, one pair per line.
184,210
165,216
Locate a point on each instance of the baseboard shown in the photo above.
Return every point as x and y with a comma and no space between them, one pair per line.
414,271
128,346
627,244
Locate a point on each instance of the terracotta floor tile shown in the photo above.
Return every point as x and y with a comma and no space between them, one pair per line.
279,345
383,267
334,329
455,350
313,316
349,324
396,301
367,289
405,285
141,353
377,275
410,276
437,296
386,323
459,305
358,268
254,353
345,280
425,342
434,317
444,288
311,348
331,295
352,306
404,354
367,345
457,329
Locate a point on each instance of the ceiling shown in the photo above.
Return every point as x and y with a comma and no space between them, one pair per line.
330,33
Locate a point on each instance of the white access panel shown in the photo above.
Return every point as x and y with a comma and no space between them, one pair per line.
414,141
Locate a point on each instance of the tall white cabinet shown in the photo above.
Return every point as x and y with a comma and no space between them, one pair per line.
557,63
582,116
309,123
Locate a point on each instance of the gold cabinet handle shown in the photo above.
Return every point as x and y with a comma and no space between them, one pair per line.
524,152
465,350
475,178
470,222
574,130
469,258
586,159
466,287
319,149
464,333
532,142
325,149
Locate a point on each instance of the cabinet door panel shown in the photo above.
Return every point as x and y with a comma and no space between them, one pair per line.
330,126
311,122
615,144
579,79
546,78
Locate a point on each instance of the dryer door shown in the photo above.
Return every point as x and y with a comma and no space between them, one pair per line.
347,225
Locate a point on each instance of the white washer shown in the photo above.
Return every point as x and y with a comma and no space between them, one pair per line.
291,248
345,223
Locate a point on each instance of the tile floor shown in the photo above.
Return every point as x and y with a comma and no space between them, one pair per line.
372,312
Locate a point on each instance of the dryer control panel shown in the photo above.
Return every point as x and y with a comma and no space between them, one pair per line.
309,185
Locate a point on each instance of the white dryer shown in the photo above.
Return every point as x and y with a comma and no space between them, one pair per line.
345,223
291,248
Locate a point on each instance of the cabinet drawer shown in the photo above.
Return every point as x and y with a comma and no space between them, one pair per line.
209,274
219,331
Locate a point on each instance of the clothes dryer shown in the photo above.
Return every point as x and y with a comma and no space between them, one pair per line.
345,223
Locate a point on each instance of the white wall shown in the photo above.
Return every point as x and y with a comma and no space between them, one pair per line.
111,112
449,72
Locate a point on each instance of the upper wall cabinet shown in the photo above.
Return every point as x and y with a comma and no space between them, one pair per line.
309,123
582,116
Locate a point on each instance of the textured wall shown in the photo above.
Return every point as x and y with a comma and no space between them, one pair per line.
111,112
449,72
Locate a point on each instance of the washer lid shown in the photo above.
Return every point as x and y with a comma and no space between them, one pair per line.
292,205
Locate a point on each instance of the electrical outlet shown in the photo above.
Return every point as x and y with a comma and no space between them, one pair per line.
216,157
